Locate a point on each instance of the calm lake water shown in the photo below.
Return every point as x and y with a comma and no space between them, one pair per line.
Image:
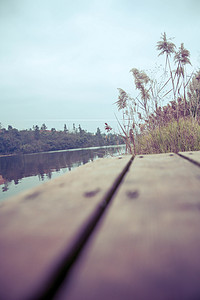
21,172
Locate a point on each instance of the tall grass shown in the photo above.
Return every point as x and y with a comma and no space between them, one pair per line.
176,136
149,123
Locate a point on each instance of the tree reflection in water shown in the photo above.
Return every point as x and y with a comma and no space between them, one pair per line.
44,165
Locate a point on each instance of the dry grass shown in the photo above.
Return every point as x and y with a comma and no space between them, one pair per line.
149,126
182,135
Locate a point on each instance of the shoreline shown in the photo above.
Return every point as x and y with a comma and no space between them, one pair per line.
74,149
4,155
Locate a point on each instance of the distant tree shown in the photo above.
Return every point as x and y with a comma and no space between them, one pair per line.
53,130
43,127
65,128
10,127
80,130
100,140
98,132
36,132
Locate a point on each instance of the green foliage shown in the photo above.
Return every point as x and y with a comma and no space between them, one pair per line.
13,141
43,127
65,128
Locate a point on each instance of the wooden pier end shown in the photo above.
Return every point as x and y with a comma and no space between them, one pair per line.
116,228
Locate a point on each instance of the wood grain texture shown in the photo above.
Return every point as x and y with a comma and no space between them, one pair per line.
148,244
38,227
193,156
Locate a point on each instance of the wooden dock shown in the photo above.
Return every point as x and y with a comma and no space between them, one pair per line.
114,229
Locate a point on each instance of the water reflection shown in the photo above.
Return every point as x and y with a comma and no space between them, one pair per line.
44,166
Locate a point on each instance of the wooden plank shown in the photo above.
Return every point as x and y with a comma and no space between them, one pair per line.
40,227
148,244
193,156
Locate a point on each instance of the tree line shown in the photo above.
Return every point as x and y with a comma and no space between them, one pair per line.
40,139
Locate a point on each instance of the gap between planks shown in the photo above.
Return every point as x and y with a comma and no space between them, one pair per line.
81,239
66,263
148,243
192,156
44,229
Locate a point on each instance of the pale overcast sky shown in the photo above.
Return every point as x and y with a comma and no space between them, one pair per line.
62,61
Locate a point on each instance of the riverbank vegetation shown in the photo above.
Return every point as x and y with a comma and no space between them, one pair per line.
40,139
165,114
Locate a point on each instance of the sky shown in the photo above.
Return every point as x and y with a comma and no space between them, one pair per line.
62,61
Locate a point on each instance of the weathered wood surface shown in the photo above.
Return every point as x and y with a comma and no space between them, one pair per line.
148,244
192,156
40,229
